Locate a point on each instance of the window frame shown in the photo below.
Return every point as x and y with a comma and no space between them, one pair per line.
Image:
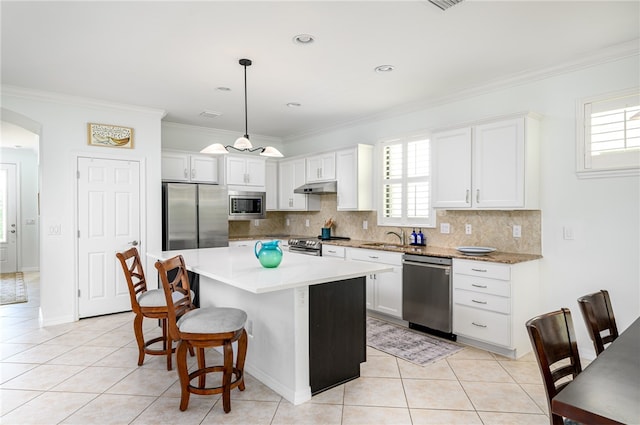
584,168
403,220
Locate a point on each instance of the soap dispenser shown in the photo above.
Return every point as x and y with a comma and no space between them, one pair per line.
420,238
413,239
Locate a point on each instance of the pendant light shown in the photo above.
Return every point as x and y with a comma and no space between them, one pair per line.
243,144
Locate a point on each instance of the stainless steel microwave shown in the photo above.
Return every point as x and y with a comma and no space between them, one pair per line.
246,205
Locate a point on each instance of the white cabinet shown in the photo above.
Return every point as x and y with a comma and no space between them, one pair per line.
271,185
184,167
333,251
492,302
321,167
245,171
291,174
384,290
354,176
493,165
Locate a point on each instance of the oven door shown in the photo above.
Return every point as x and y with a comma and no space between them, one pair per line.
305,251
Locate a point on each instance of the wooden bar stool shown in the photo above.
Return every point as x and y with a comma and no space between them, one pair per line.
597,313
145,303
203,328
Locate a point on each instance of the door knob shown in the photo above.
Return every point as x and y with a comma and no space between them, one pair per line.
134,243
13,231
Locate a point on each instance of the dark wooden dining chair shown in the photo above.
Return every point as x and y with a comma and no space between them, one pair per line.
202,328
554,344
598,316
145,303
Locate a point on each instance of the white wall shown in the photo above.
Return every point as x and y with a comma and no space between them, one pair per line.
63,122
604,213
27,176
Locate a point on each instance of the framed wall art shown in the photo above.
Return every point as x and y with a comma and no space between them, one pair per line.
110,136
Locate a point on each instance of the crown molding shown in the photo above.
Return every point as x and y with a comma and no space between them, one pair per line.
43,96
610,54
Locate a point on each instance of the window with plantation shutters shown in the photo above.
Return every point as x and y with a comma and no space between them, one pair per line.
609,135
405,183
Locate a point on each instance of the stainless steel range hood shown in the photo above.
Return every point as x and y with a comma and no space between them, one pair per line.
317,188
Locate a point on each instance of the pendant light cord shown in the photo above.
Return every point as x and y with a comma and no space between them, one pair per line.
246,120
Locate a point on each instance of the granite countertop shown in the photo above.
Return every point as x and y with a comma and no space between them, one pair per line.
435,251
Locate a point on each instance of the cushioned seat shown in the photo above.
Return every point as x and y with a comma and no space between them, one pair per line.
202,328
145,303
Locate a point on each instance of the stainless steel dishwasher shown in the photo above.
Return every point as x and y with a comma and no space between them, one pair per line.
427,293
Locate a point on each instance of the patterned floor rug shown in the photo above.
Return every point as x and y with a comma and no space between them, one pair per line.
12,288
407,344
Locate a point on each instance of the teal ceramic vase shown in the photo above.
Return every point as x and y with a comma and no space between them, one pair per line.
269,254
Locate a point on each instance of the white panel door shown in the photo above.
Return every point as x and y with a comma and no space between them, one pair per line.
108,222
8,218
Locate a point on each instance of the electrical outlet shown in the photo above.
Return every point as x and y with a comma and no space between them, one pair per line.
445,228
55,229
306,222
365,224
256,223
567,233
467,229
517,231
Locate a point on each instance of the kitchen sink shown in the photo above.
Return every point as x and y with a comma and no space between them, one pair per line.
382,245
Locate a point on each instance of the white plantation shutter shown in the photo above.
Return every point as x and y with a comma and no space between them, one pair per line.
406,183
610,133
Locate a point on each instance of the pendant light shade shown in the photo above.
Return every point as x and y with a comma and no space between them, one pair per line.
243,144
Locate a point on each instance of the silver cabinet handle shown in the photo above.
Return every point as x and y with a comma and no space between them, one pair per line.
478,196
480,270
374,257
12,231
331,251
479,302
134,243
466,197
193,173
478,325
186,173
478,286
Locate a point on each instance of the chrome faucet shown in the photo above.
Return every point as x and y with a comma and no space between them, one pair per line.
399,235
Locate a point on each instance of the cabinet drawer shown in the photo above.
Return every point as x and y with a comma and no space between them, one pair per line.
333,251
482,269
483,325
375,256
482,285
482,301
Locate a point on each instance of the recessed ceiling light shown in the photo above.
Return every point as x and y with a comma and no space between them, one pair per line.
384,68
210,114
294,104
303,39
223,88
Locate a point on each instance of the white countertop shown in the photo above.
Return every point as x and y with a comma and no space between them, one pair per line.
239,267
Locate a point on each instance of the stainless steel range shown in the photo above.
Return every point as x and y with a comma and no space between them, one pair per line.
307,246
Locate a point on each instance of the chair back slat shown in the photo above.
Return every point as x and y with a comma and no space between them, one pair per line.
598,316
133,274
177,305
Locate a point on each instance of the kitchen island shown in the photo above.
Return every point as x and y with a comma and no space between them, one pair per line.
306,318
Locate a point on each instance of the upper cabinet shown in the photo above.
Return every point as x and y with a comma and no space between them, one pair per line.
245,171
291,174
354,176
271,185
184,167
492,165
321,167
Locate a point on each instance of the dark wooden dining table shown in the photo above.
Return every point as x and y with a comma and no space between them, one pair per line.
607,391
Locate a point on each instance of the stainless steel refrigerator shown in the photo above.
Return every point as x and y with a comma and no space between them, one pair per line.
194,216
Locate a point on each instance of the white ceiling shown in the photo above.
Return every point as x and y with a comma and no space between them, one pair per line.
173,55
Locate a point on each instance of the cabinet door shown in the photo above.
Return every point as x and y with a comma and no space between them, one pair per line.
204,169
291,175
388,292
451,153
236,170
298,179
321,167
499,154
347,179
255,169
175,167
271,185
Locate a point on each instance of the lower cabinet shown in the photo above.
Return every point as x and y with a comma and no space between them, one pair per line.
384,290
492,302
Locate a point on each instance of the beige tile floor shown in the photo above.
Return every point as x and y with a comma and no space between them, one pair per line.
86,373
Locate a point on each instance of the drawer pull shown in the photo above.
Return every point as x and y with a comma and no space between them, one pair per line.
373,256
478,325
479,302
331,251
480,270
478,286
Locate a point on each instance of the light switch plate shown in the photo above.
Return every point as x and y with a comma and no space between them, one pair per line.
445,228
365,224
517,231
